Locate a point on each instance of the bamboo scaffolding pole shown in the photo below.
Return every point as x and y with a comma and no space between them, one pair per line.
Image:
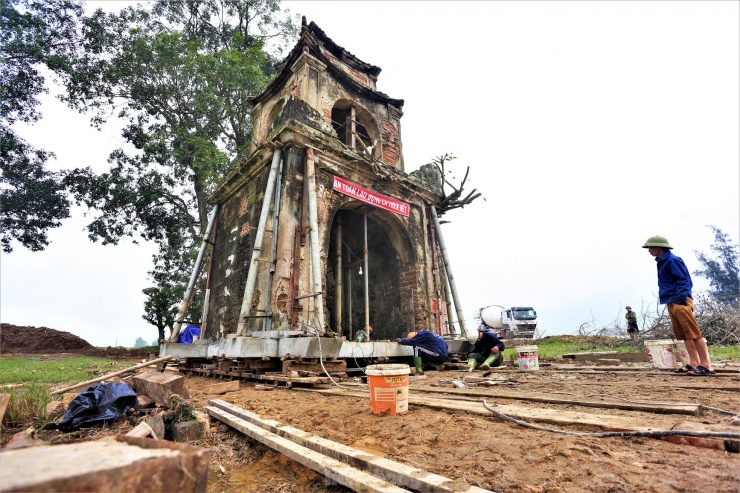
257,248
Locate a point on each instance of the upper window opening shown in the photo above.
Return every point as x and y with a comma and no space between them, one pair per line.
355,127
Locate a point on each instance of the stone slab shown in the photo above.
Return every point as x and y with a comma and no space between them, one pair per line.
112,465
160,386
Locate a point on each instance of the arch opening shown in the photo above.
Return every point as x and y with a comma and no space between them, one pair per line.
391,275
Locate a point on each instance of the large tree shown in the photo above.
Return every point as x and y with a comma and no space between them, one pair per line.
38,38
722,269
180,74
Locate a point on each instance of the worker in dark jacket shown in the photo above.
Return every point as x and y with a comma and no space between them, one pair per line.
428,348
488,351
674,290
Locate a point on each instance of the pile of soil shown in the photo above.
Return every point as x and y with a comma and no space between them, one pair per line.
16,339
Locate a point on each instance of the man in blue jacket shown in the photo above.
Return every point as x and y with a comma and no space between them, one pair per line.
488,351
674,289
428,348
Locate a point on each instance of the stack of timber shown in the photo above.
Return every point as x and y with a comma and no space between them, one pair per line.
353,468
288,373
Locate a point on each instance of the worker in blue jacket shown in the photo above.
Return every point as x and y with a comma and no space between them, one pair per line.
488,351
428,348
674,290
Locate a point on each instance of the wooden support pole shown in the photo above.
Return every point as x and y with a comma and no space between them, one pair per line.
110,375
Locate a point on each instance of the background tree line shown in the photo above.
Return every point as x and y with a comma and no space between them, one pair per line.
180,74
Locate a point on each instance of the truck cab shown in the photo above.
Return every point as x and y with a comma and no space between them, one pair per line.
515,322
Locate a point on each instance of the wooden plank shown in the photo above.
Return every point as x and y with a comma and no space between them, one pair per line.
396,472
109,375
653,406
555,416
222,388
332,468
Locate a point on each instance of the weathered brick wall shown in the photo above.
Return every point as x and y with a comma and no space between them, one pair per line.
391,144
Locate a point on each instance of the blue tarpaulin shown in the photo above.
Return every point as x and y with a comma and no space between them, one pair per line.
103,403
188,334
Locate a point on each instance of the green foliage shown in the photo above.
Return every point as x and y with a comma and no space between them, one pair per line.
140,342
34,35
722,270
181,74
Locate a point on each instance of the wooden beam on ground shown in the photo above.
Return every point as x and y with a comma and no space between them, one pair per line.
222,388
332,468
645,406
396,472
561,417
114,374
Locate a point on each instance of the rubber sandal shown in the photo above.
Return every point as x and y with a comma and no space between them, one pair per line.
701,371
684,369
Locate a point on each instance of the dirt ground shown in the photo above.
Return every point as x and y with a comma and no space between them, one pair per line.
483,451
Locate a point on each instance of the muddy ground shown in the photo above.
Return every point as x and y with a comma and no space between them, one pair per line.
484,451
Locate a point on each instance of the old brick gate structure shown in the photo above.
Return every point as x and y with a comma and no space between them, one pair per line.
320,227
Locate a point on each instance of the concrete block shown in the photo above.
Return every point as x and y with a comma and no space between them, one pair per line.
156,423
144,402
222,388
186,431
160,386
68,397
54,410
114,465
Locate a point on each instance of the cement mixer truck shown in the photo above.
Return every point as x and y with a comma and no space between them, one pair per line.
516,322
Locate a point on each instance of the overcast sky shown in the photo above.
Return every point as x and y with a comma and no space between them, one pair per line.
588,127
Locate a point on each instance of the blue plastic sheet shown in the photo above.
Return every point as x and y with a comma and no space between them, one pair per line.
188,334
103,403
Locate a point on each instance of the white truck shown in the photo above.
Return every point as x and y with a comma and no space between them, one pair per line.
515,322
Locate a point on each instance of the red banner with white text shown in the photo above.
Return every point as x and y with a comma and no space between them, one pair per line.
368,196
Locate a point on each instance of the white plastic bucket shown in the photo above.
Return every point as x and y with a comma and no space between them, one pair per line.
389,389
661,353
682,354
527,357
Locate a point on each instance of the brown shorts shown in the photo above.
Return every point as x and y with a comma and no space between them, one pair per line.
683,320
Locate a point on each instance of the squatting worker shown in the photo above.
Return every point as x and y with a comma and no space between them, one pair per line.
631,317
487,352
674,288
428,348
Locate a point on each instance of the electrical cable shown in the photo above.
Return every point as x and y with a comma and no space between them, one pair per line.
605,434
321,357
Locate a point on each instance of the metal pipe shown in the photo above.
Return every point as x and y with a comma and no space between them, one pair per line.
350,327
471,336
313,221
338,273
257,248
193,277
267,322
367,276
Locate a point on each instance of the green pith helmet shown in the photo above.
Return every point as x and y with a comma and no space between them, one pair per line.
657,241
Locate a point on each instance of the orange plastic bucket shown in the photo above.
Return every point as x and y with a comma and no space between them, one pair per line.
389,389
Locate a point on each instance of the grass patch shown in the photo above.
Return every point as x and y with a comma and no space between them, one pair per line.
724,352
56,371
28,381
557,346
27,406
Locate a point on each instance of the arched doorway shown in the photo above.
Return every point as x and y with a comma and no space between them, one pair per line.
391,274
